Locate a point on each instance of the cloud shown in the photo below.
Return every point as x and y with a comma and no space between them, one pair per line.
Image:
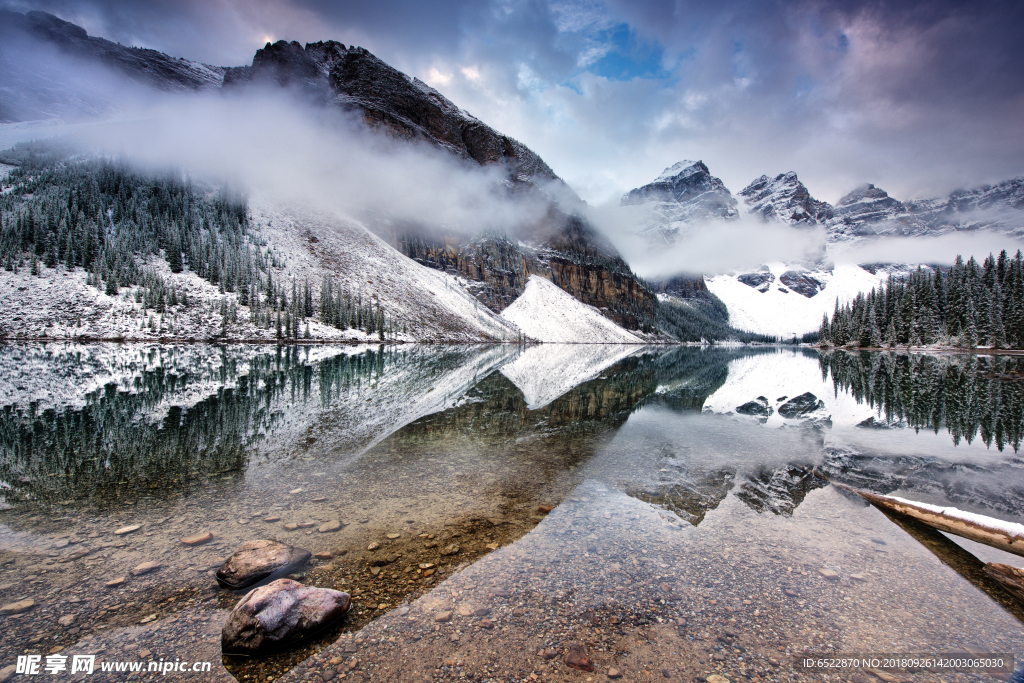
265,143
938,250
714,246
919,97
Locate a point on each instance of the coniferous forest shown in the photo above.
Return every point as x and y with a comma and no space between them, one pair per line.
109,220
966,306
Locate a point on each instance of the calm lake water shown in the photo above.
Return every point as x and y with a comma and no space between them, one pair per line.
694,529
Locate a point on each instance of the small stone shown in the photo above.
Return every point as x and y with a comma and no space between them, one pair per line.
426,565
393,535
294,491
859,577
428,572
147,619
243,522
324,556
715,678
291,526
666,673
306,525
519,612
486,624
373,546
718,657
577,658
545,508
828,574
271,519
432,544
7,673
450,549
481,611
320,499
614,620
327,527
375,570
491,546
127,529
790,592
114,583
145,568
549,653
66,620
883,675
198,539
614,673
17,607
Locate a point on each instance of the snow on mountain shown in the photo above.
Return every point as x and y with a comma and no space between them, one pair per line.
543,373
548,314
426,304
684,193
773,307
778,378
784,199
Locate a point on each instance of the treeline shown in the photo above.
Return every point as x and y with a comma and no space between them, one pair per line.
966,306
969,396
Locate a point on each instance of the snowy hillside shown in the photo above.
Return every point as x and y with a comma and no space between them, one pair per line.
548,314
543,373
768,305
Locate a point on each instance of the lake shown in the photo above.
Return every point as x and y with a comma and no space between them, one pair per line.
667,508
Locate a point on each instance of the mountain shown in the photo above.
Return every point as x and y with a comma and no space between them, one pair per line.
869,212
561,247
683,194
786,200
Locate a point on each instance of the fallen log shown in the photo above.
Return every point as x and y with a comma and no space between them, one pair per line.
1008,536
1010,578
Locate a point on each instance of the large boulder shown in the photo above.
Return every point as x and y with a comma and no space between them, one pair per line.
256,561
280,614
759,406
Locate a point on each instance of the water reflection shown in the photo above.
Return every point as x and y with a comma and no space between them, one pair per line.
424,448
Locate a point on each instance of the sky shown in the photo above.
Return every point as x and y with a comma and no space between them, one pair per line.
920,98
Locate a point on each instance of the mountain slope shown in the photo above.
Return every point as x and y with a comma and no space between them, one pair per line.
561,246
548,314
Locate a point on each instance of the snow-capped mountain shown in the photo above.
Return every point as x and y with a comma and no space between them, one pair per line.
83,76
786,200
685,193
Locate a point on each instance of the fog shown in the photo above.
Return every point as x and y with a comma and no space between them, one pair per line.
707,247
939,250
268,143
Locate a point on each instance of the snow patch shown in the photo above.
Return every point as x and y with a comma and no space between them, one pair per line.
543,373
548,314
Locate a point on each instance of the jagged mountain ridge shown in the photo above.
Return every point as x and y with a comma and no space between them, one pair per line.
786,200
562,247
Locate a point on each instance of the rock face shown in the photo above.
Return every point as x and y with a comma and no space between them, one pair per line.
257,561
684,193
278,615
801,405
759,406
786,200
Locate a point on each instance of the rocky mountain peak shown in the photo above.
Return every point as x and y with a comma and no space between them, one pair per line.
683,193
785,199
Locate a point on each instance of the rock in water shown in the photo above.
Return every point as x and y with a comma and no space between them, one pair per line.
577,658
800,405
256,561
280,614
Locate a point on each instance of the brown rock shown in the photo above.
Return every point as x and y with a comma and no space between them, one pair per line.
577,658
66,620
127,530
327,527
614,673
545,508
486,624
7,673
549,653
291,526
443,617
17,607
271,519
306,525
280,614
198,539
114,583
324,556
428,572
262,560
828,574
145,568
450,549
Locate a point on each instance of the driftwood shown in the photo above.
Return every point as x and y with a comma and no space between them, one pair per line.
1010,578
1006,536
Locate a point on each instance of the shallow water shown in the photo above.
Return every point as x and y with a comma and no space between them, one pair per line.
671,504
